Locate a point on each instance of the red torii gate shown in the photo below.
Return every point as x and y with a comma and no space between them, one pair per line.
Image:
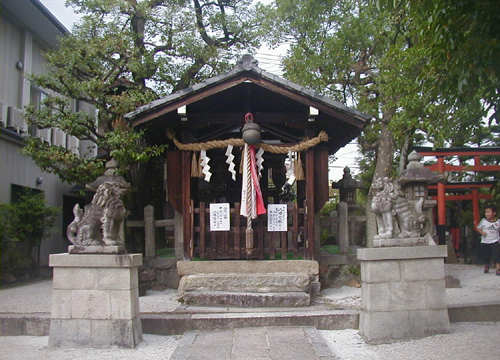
441,167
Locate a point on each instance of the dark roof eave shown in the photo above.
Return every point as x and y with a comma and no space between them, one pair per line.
360,117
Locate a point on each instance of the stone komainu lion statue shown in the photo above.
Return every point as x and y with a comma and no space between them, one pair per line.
100,223
390,203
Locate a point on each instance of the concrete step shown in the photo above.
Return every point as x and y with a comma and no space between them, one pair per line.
247,299
257,283
188,318
174,324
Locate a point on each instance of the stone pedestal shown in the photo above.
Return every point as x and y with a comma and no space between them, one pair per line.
95,300
403,293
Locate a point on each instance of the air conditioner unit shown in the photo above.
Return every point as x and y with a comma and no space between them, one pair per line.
43,134
58,137
3,113
15,119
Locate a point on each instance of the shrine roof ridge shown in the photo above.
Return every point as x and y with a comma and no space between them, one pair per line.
248,65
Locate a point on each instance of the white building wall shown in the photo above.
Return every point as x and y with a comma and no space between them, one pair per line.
10,54
19,44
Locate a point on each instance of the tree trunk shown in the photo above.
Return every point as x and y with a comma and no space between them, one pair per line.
404,154
383,166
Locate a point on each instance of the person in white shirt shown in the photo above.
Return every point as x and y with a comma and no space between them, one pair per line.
489,228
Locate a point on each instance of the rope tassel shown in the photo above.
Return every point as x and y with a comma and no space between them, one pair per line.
195,166
299,168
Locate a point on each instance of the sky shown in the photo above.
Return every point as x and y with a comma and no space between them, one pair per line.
268,60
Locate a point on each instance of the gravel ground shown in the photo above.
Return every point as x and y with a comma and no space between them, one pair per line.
154,347
467,341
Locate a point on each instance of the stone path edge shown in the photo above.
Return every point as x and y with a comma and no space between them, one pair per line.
177,324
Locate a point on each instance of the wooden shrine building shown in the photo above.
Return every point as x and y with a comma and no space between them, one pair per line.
299,129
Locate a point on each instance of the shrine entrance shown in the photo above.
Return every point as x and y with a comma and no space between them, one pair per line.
248,198
217,245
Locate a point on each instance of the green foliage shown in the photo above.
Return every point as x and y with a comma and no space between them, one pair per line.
330,205
288,193
428,71
326,237
124,54
332,249
23,226
165,253
355,270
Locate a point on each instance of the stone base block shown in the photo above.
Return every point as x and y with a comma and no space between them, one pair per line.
247,300
396,325
95,300
78,249
402,293
400,242
95,333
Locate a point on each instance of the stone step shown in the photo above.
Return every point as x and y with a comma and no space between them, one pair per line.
175,324
197,318
256,283
248,267
247,299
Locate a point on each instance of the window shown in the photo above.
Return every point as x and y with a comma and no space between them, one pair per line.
37,97
350,196
419,190
17,190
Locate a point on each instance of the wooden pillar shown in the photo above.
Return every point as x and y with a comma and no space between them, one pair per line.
475,196
310,202
149,230
186,201
441,227
475,205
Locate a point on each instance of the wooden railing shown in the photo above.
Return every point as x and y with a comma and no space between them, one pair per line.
149,224
230,244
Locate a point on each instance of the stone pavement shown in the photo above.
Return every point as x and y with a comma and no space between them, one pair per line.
291,343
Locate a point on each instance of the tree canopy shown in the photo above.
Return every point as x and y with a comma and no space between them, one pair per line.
123,54
426,70
389,62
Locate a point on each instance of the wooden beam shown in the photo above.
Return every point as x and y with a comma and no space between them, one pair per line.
464,197
310,202
280,133
457,168
462,186
239,118
304,99
458,152
217,133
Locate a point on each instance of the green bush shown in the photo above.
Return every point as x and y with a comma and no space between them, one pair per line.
23,226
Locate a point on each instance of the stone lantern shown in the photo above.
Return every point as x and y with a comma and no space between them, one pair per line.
416,178
347,187
415,182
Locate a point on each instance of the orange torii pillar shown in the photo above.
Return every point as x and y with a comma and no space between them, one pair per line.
441,226
475,196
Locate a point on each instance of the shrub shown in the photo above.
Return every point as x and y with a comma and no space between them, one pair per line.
23,226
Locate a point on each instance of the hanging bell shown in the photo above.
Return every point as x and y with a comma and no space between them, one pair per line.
251,133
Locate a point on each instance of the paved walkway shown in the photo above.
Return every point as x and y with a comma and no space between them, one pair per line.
274,343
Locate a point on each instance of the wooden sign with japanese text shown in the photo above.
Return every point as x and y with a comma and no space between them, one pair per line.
219,217
276,217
